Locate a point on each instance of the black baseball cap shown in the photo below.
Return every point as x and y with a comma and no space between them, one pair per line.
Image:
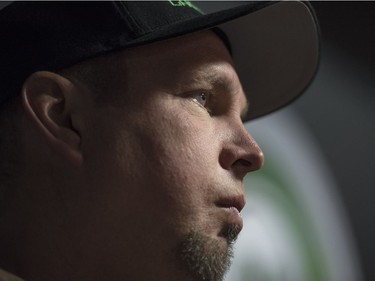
275,45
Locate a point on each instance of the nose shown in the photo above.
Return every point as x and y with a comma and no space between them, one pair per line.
240,153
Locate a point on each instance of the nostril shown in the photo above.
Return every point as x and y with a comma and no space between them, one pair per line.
243,163
241,167
248,162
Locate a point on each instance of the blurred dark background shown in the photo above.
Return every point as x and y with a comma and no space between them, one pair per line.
340,112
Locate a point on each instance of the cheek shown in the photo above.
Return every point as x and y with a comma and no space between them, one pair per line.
179,154
156,172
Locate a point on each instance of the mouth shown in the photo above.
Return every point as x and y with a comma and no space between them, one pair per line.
232,206
235,202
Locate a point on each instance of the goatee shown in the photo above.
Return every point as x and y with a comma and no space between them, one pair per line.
206,258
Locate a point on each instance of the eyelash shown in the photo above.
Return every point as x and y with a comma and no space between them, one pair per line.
206,96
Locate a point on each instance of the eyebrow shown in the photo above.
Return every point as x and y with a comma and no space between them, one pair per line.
211,76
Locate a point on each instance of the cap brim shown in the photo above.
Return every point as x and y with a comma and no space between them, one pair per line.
276,54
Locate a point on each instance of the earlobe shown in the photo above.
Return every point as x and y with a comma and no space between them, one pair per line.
46,98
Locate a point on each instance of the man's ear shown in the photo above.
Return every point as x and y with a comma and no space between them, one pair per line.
47,100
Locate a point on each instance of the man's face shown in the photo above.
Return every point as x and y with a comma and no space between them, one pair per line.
164,169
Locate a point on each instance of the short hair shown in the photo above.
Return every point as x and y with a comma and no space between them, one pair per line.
10,149
101,75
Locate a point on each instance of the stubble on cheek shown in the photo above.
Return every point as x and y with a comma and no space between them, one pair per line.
205,258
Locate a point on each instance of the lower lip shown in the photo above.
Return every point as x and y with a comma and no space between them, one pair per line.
234,216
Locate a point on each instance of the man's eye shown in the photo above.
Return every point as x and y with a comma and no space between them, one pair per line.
202,98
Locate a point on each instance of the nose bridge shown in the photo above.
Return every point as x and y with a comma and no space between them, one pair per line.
249,147
240,152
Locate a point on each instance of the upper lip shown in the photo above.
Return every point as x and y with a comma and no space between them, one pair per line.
237,202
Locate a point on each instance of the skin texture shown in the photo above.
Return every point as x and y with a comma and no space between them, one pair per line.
125,191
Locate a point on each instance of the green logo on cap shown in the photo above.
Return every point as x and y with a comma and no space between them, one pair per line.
183,3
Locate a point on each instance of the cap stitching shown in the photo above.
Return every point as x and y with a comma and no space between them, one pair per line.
126,15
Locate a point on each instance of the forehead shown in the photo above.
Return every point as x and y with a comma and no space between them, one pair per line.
199,57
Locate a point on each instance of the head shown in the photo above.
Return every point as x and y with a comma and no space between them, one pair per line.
125,160
147,183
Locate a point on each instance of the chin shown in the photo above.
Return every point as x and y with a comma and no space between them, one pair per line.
206,258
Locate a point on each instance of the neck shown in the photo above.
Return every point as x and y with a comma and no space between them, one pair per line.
34,233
